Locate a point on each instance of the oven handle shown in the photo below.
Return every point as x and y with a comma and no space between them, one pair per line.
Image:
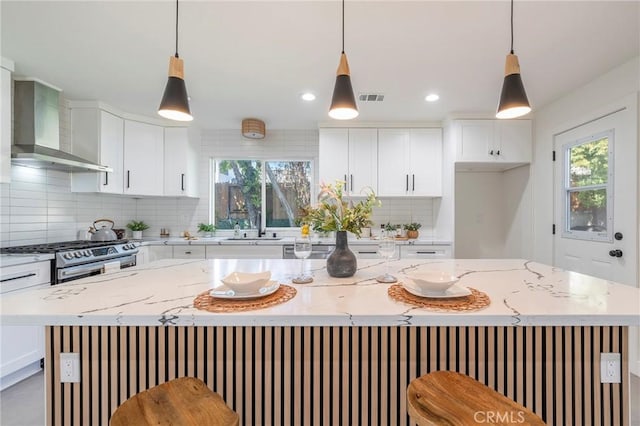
86,269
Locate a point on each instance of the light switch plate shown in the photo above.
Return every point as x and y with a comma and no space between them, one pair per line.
610,367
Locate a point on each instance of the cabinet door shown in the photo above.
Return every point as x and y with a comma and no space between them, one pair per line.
393,160
5,121
475,141
513,141
425,163
365,251
188,252
425,252
243,252
333,155
363,160
143,158
160,252
176,161
111,152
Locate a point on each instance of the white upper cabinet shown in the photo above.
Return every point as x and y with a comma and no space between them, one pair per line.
98,136
499,144
349,155
410,162
5,120
143,158
180,163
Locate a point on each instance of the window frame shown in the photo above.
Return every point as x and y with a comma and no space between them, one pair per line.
263,189
603,236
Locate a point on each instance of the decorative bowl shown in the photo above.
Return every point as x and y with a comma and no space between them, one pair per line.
433,281
246,282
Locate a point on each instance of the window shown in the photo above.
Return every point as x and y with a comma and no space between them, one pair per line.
588,190
246,191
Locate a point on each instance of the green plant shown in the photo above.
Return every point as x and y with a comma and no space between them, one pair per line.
414,226
389,227
137,225
333,213
206,227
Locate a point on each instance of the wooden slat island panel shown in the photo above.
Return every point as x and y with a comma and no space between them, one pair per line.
337,375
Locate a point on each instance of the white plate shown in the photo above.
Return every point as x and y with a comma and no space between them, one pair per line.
224,292
453,291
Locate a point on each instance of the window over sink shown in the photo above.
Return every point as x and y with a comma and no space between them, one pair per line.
246,191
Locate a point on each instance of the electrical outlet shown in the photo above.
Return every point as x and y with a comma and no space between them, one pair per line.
610,367
69,367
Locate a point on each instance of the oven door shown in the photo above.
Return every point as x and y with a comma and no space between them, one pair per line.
88,269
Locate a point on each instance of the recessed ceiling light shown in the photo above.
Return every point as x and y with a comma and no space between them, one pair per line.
432,97
308,96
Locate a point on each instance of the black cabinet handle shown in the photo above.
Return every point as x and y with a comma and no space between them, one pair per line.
413,182
345,182
128,178
33,274
498,152
491,152
182,181
106,179
367,252
406,188
187,252
425,252
351,176
615,253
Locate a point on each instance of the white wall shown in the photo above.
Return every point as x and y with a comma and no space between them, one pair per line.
578,107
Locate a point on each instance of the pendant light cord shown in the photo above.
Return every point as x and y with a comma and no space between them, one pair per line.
177,29
512,27
342,26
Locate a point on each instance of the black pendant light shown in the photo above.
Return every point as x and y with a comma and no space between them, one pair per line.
343,103
513,99
175,102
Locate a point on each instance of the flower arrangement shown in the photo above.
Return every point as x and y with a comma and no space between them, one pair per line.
137,225
333,213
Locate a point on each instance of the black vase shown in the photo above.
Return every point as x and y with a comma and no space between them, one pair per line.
341,263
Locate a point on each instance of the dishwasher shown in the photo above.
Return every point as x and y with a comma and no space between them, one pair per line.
318,251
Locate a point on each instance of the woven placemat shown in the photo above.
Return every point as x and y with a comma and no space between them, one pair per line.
206,302
474,302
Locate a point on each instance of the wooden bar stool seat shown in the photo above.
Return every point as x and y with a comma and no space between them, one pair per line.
450,398
180,402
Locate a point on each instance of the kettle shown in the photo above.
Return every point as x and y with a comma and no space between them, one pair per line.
85,235
103,233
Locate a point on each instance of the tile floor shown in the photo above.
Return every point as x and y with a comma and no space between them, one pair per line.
23,403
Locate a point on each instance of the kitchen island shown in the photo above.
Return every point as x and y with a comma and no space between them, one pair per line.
341,351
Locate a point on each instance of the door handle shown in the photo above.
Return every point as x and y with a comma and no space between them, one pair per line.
413,182
615,253
351,176
407,184
345,182
182,181
491,152
106,179
128,178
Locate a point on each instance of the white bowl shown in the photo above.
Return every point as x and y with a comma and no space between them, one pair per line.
433,281
246,282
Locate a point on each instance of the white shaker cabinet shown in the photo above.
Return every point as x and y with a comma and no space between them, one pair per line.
98,136
5,120
349,155
506,142
410,162
180,163
143,158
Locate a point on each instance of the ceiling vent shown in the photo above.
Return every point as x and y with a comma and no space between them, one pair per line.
253,128
370,97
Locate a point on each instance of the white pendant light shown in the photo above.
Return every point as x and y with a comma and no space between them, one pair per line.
175,101
513,98
343,102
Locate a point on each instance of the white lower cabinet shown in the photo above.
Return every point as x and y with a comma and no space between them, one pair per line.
189,252
425,252
365,251
160,252
244,252
21,347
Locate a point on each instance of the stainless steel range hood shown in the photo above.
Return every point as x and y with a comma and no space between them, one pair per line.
36,140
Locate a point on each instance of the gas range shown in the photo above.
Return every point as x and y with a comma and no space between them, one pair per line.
77,259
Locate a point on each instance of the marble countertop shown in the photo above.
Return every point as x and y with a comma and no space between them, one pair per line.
284,240
162,293
20,259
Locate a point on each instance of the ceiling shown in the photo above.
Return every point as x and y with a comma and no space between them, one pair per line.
253,59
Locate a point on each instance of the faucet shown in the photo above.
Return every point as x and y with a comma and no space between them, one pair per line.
261,232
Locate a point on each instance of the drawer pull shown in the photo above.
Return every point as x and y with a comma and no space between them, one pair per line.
367,252
187,252
426,252
33,274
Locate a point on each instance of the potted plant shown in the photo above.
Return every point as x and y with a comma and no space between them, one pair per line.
136,227
333,213
412,229
207,229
